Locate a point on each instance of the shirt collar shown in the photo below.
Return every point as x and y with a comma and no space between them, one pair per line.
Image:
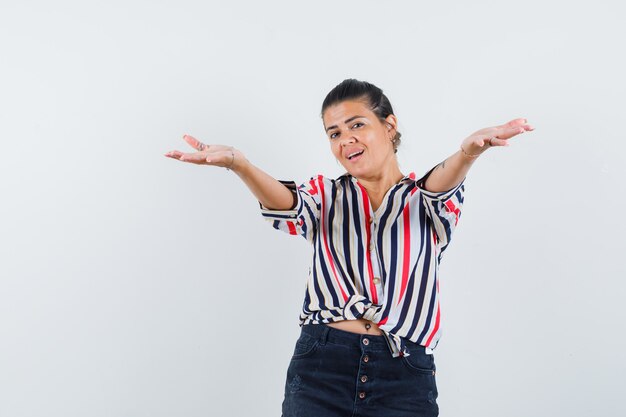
410,177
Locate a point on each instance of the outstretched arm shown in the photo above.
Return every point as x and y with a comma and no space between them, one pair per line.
268,190
449,173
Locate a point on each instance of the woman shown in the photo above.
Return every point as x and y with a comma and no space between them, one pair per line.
370,318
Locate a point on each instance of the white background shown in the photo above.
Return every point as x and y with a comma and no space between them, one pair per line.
135,285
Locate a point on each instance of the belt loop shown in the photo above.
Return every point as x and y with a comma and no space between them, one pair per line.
324,336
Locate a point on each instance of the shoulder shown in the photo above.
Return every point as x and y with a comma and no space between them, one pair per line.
314,184
320,182
323,179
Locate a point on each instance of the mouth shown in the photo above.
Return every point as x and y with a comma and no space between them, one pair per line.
354,156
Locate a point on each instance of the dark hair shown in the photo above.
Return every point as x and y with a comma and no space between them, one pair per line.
352,89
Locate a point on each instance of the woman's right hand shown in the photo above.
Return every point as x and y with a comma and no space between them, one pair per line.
219,155
269,191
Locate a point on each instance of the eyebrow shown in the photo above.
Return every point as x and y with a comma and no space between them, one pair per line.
346,122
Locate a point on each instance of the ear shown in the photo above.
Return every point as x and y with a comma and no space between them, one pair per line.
391,122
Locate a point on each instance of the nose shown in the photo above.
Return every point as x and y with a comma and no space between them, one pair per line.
348,140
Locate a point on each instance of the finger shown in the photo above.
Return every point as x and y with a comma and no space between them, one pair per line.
194,158
516,122
195,143
521,122
173,154
498,142
508,132
490,141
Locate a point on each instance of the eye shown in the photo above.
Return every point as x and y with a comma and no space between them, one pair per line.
332,136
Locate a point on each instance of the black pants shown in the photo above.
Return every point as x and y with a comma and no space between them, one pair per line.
336,373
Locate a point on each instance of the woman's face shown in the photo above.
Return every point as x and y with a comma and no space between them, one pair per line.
352,128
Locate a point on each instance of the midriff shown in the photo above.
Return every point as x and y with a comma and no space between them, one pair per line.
357,326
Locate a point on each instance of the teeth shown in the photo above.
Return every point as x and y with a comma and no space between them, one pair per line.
354,153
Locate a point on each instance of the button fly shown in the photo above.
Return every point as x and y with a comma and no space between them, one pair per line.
366,341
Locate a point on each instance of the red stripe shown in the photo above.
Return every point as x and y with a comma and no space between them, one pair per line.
406,253
292,228
407,249
324,234
366,215
434,332
453,209
313,189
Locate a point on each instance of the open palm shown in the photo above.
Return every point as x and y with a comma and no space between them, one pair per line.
495,135
218,155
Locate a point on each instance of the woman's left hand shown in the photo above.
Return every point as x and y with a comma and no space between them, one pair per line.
483,139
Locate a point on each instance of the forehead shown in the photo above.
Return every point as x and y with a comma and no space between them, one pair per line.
338,113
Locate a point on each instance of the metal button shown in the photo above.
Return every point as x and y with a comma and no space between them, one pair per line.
364,378
366,358
376,280
366,341
372,246
371,219
361,395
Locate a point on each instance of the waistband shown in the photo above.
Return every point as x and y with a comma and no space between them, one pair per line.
376,342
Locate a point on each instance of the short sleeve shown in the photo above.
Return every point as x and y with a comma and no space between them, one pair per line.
303,218
444,210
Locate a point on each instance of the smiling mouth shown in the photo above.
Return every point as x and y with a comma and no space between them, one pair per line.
355,155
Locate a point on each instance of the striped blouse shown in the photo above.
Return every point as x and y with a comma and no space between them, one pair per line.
378,265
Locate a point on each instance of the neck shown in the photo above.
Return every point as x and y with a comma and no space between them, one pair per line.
379,183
